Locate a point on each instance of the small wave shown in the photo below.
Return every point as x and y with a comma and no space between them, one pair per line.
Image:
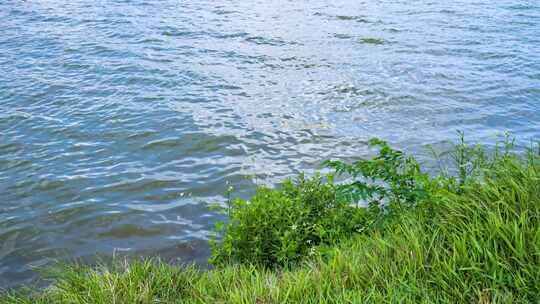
360,19
374,41
342,36
267,41
130,230
223,12
171,32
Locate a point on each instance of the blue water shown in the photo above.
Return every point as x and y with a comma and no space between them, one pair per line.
120,120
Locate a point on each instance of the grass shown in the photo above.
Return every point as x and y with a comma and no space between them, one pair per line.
474,238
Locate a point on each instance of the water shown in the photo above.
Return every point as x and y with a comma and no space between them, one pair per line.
120,120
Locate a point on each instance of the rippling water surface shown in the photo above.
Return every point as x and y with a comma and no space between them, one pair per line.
120,120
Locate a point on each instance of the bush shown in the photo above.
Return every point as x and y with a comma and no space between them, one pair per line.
281,226
389,177
389,183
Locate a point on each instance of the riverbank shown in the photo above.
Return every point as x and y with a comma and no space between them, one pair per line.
472,236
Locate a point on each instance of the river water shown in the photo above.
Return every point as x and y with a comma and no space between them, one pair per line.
121,119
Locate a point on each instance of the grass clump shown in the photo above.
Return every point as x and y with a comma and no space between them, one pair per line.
140,282
469,238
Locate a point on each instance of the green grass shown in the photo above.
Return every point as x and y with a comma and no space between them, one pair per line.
473,238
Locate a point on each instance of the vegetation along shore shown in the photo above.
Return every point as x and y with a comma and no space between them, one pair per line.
379,230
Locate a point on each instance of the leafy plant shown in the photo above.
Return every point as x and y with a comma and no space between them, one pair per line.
281,226
277,227
389,177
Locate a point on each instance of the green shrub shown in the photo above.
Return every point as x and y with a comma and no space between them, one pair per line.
388,183
281,226
389,177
